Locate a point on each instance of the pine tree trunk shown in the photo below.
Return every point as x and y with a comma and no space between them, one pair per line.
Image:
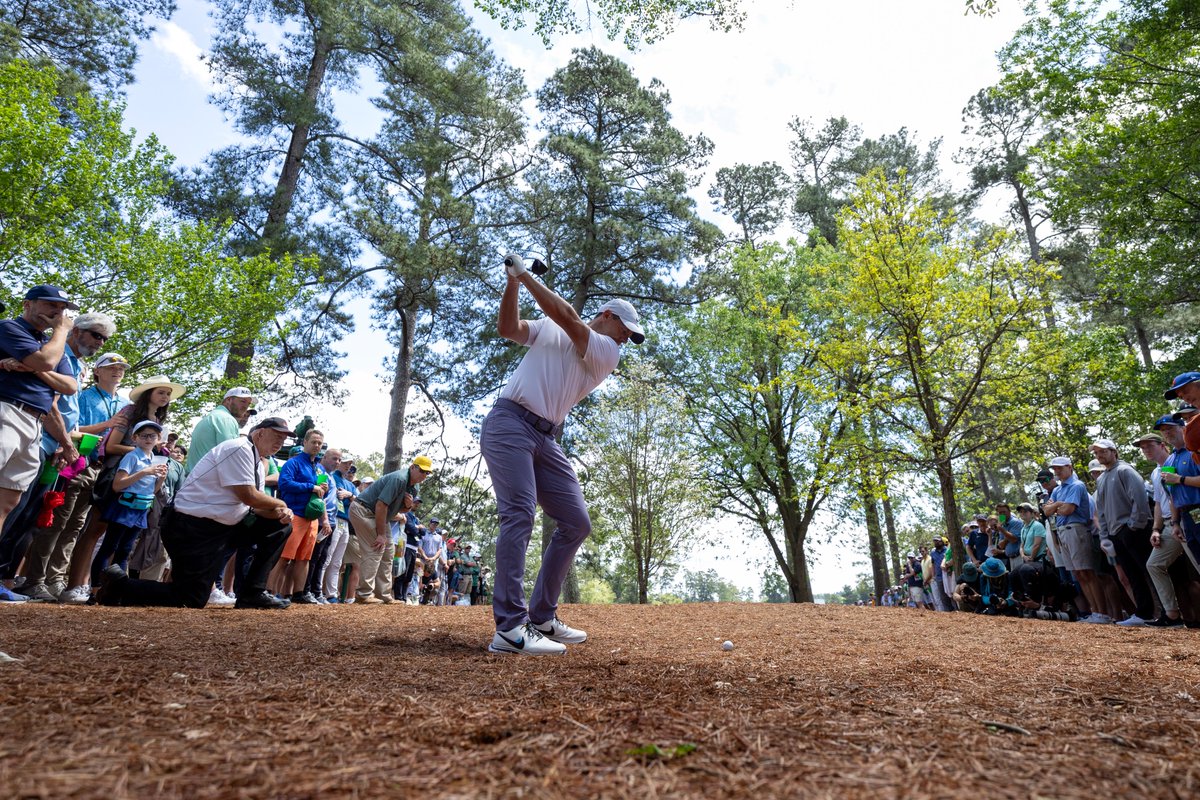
241,354
393,448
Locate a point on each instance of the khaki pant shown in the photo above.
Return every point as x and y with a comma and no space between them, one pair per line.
50,551
1161,558
374,566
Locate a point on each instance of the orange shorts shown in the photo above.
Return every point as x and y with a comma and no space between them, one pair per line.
300,544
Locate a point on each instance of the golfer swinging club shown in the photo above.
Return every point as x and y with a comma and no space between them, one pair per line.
567,359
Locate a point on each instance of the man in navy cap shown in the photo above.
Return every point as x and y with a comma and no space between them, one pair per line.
33,372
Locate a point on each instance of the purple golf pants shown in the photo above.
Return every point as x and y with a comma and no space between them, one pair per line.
528,469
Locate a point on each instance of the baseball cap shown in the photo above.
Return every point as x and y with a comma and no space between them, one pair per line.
624,311
435,519
1044,475
1174,420
1185,411
451,542
147,423
1062,461
1104,444
110,360
423,463
273,424
1026,507
54,294
1096,466
981,517
1179,382
238,391
1149,437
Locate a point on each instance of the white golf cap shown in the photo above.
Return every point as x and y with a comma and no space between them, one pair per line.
1096,466
624,311
238,391
1104,444
1060,461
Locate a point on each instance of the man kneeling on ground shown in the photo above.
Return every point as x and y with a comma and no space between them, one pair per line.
220,506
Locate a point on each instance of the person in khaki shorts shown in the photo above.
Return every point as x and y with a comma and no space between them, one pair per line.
33,372
371,547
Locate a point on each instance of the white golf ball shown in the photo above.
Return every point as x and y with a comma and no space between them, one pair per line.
727,646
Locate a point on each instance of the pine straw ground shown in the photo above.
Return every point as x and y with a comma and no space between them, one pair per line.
394,701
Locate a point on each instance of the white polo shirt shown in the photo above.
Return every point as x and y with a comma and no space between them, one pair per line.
552,377
208,490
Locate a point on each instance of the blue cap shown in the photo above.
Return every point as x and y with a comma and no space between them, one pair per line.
1168,419
1185,410
1179,382
52,293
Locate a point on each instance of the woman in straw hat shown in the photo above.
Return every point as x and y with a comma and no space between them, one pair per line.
151,400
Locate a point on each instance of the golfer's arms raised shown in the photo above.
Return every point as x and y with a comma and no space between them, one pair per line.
510,325
559,310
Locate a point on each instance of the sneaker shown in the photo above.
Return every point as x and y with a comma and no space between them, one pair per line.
263,599
332,600
218,598
56,589
39,593
1166,622
525,640
1134,621
321,601
18,584
558,631
303,599
76,596
9,596
1096,618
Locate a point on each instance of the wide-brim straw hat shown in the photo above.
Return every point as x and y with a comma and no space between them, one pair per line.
177,391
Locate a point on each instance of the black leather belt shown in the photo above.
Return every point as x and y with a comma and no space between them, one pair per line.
36,413
540,424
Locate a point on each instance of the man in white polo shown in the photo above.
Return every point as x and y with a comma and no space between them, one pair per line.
220,505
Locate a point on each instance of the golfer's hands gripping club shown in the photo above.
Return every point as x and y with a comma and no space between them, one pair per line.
514,264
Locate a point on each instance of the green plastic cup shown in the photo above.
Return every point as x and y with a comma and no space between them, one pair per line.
49,474
88,444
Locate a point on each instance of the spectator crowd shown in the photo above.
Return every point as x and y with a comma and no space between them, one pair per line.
102,502
1115,547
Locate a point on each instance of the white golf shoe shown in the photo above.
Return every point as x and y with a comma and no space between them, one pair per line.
525,640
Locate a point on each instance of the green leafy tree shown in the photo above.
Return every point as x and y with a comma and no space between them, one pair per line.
1119,85
708,587
632,22
642,474
941,321
774,587
82,205
755,196
450,143
761,405
95,40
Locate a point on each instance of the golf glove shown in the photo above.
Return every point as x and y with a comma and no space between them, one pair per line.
514,264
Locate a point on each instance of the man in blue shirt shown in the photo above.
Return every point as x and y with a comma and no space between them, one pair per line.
34,372
49,554
1072,509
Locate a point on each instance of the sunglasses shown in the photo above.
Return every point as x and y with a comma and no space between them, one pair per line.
99,337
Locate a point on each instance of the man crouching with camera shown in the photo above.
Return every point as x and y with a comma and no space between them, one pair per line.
220,506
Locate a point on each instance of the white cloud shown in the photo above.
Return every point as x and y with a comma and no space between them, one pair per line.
177,42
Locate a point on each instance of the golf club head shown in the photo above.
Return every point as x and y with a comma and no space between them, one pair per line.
537,267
